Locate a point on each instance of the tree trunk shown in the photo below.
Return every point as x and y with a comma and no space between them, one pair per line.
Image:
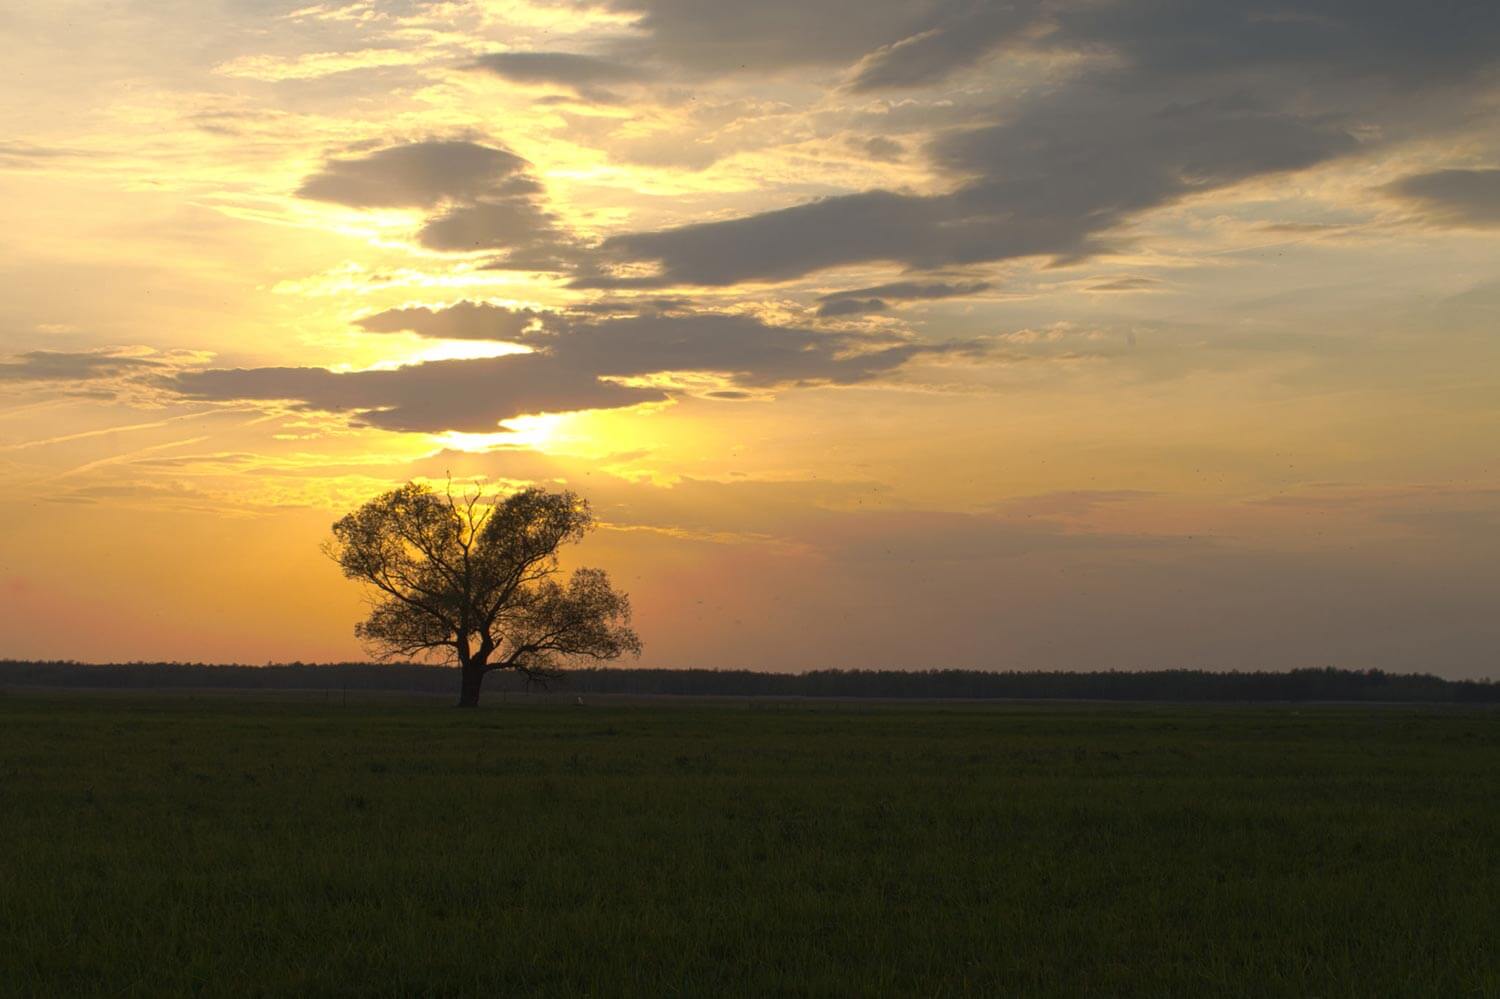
473,678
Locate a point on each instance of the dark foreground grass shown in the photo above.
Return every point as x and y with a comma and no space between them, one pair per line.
160,845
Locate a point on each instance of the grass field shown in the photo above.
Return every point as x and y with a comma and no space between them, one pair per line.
232,845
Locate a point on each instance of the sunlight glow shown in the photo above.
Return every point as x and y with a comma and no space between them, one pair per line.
539,433
451,350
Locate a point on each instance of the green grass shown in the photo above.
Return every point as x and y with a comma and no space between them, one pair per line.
229,845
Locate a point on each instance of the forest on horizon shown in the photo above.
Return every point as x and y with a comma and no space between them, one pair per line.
1327,684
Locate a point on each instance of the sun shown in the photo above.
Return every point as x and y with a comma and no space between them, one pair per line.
459,350
542,432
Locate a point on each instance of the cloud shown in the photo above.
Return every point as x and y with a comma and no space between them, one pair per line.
861,300
1165,101
574,365
912,290
1303,228
461,321
76,366
878,147
1126,284
748,350
1465,198
587,76
778,245
414,175
514,221
961,34
852,307
313,65
915,43
723,38
633,306
487,198
464,395
1040,190
1067,504
1367,42
751,352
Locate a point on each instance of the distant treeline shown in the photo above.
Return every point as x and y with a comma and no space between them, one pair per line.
1114,685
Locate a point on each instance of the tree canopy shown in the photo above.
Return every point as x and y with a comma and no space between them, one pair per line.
474,580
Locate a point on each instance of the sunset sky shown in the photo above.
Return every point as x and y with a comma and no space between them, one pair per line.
889,333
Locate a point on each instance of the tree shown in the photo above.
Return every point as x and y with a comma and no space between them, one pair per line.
473,580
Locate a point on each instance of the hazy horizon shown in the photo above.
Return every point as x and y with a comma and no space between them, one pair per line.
879,335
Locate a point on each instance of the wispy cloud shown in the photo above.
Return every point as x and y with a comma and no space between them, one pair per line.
313,65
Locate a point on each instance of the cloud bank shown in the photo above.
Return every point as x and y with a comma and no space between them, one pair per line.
1169,100
576,362
1464,198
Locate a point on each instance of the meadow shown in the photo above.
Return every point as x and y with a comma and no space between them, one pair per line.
289,845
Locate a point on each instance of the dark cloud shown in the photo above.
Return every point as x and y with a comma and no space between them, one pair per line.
1172,98
721,39
852,306
415,175
959,35
879,148
464,395
66,366
1331,41
516,222
1126,284
1302,228
556,67
1454,197
913,43
633,306
1048,183
862,300
461,321
911,290
587,76
778,245
570,368
530,237
488,200
751,352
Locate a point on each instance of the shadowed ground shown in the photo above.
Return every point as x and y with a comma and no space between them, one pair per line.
231,844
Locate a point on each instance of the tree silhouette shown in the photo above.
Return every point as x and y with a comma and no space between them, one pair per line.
472,580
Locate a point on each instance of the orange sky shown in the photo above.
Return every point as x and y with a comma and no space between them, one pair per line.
888,334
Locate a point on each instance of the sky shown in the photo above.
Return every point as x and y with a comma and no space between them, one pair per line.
1049,334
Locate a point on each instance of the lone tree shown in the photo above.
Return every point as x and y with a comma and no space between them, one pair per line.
473,580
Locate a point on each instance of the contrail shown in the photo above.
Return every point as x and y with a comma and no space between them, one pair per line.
31,406
115,459
110,430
